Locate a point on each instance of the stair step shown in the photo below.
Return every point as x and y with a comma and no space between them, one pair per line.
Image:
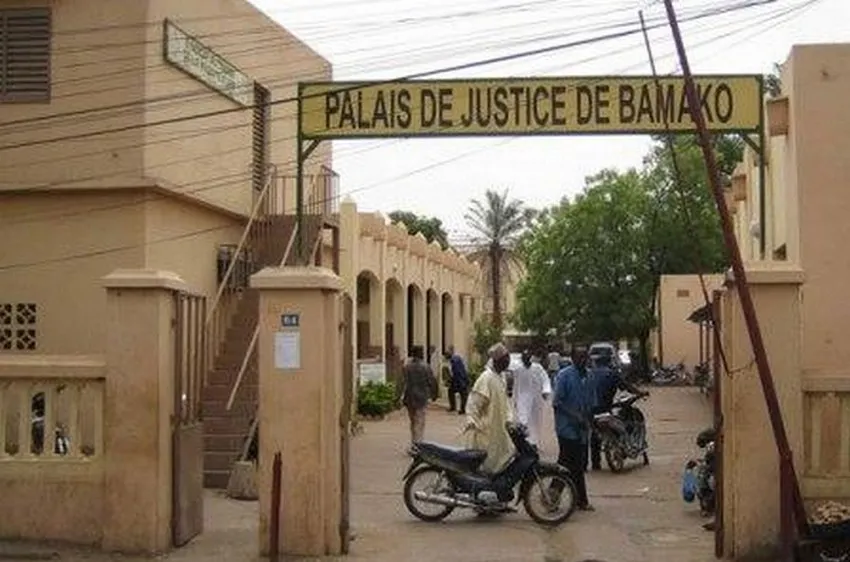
219,460
231,425
216,479
218,443
247,391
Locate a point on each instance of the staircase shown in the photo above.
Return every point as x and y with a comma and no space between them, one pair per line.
269,241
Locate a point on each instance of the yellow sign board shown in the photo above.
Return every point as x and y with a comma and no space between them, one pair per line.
525,106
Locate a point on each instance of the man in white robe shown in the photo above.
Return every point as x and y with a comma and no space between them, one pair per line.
532,389
488,410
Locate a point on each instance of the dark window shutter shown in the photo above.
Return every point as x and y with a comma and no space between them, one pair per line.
261,143
25,54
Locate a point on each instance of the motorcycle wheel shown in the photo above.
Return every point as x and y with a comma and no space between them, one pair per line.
541,488
446,488
615,457
645,459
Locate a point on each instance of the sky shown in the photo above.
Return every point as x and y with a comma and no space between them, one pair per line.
385,39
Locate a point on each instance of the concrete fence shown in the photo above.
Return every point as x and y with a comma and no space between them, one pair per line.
49,491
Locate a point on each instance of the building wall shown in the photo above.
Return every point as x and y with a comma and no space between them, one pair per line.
216,151
108,72
678,297
56,263
184,238
89,70
392,258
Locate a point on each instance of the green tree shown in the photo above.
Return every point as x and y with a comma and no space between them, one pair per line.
430,227
499,223
587,272
594,265
773,82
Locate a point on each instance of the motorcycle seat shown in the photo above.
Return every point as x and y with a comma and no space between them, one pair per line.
457,455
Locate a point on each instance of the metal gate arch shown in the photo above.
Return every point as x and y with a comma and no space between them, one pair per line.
187,432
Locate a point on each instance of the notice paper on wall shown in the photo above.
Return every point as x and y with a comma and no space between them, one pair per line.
287,350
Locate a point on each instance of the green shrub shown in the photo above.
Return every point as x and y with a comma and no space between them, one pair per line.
376,399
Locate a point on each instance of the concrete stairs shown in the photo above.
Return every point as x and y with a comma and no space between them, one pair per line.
225,431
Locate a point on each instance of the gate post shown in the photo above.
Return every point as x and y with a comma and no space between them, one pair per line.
138,410
300,396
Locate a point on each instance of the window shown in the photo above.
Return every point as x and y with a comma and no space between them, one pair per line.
25,55
18,326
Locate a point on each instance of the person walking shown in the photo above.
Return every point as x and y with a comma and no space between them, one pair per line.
420,386
573,402
489,411
459,383
531,391
553,363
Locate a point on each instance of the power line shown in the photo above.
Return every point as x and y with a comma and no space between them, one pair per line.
215,183
489,61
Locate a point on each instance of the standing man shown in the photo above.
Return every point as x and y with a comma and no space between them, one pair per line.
574,402
531,390
420,387
553,363
459,383
606,382
489,411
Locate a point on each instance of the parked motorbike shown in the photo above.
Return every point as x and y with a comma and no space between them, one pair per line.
622,432
670,375
703,378
703,470
450,478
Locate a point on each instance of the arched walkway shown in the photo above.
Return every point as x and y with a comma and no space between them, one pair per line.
369,326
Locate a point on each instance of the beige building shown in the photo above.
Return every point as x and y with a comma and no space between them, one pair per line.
159,136
676,338
791,234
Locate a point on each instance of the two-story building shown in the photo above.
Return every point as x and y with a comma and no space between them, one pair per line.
791,228
161,135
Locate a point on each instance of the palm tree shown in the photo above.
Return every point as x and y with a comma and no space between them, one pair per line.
499,223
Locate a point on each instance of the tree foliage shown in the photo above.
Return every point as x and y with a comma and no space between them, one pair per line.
430,227
499,223
593,264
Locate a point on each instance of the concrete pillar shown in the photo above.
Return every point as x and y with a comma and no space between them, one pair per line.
139,406
420,321
349,260
378,315
750,459
299,407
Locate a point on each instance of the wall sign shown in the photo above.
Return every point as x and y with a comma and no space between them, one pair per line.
202,63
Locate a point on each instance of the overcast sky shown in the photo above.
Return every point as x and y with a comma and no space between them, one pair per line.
382,39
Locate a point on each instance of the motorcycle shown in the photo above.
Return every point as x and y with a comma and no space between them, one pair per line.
452,480
703,470
622,432
670,375
703,378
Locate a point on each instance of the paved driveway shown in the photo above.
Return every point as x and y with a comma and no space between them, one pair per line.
640,516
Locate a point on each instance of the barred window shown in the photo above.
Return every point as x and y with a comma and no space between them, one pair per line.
24,54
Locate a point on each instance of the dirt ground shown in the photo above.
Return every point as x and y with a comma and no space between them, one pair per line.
640,516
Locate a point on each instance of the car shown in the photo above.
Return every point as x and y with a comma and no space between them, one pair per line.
603,349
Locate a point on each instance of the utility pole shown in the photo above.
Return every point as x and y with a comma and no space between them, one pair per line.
789,485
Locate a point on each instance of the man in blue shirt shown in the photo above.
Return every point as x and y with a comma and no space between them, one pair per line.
574,401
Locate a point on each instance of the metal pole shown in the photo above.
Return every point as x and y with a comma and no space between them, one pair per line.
299,186
274,531
748,309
